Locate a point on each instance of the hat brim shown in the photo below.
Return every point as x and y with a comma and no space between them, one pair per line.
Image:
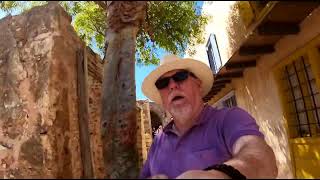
198,68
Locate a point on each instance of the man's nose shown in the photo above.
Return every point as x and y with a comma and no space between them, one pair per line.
172,84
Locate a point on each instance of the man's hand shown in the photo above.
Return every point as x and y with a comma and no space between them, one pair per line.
200,174
254,158
159,176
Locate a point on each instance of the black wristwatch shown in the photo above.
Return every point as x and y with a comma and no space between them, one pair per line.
228,170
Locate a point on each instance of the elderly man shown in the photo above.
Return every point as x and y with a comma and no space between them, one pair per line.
201,141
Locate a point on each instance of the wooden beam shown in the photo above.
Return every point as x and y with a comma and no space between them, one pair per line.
206,99
209,96
214,91
211,92
241,65
278,28
256,49
222,81
219,86
83,113
230,75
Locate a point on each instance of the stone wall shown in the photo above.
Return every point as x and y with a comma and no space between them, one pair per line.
141,140
39,134
147,126
145,109
157,109
95,67
39,118
39,101
144,130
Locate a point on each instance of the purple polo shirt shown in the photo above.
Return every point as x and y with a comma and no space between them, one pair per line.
207,143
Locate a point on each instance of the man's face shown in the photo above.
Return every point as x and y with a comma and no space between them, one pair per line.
181,98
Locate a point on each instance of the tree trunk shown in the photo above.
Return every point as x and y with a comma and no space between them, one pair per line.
118,97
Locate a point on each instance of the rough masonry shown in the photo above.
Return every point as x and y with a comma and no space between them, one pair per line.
39,101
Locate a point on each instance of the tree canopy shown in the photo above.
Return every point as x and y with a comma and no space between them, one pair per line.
171,25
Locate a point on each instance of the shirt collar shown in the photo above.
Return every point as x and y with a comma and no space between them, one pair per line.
168,127
201,120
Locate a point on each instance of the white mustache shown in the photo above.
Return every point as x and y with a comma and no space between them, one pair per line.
175,94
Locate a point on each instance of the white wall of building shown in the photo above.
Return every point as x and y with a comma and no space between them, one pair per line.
219,13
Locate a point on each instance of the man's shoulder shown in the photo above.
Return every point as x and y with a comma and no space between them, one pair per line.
158,136
226,110
220,114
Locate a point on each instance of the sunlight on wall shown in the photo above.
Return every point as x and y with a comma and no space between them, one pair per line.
219,12
248,91
255,93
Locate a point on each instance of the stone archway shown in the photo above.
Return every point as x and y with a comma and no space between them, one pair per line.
157,117
156,122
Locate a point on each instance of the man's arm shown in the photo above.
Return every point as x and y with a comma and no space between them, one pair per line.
250,153
252,156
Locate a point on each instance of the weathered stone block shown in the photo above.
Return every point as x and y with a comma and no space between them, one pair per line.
39,128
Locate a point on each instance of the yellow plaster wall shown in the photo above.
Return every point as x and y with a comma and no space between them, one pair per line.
305,152
258,93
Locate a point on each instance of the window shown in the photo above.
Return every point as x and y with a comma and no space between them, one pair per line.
229,100
303,99
213,54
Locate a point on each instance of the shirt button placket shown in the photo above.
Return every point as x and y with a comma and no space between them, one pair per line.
178,144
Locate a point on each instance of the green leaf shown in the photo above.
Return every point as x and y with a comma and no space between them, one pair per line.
173,25
170,25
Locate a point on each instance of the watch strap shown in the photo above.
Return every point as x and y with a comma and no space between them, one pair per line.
228,170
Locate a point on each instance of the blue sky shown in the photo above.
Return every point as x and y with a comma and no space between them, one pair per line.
140,71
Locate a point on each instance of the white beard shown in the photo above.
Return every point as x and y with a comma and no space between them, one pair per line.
181,113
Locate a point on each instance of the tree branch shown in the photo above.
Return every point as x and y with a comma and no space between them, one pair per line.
147,26
97,29
102,4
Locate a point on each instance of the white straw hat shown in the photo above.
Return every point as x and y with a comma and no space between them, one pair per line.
172,62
